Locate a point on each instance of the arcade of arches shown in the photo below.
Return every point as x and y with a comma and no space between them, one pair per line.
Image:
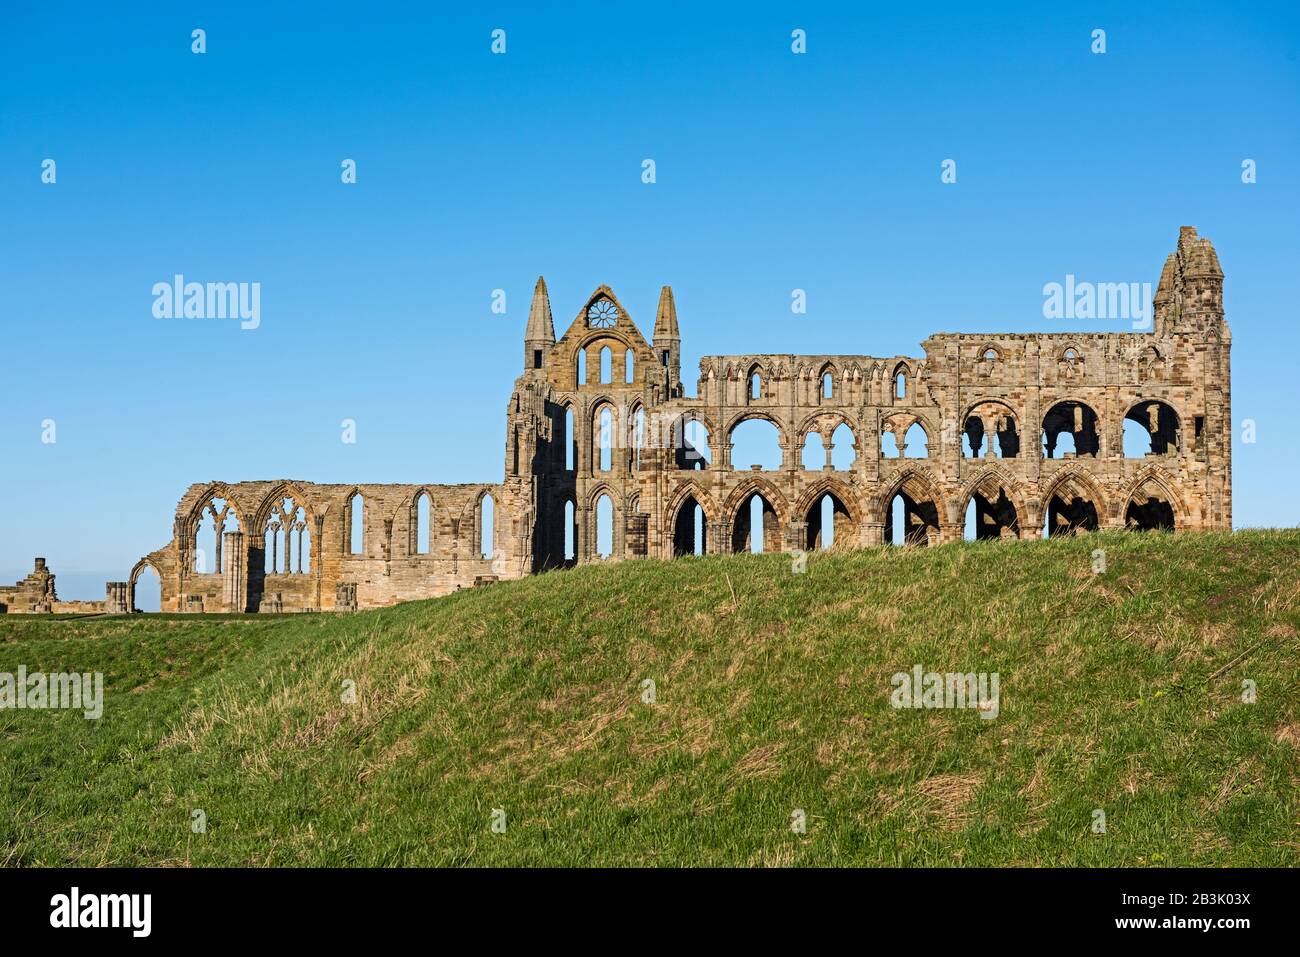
607,457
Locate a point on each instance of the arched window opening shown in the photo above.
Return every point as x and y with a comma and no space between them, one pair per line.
215,519
1149,510
1151,428
843,454
1070,513
915,442
582,367
991,514
828,522
990,432
1070,428
900,384
895,528
910,521
755,386
756,442
146,591
570,536
754,529
356,517
570,443
691,444
487,526
813,455
690,530
606,360
605,439
628,363
828,386
604,526
918,443
287,540
638,436
423,510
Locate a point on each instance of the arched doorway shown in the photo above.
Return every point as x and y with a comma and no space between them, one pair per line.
144,590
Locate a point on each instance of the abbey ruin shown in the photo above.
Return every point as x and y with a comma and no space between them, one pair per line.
607,458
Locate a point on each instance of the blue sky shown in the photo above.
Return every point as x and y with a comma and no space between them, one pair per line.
477,171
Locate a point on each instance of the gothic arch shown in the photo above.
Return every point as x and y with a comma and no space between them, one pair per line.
690,490
344,503
604,488
832,486
1163,483
1178,440
988,482
1080,479
762,487
829,416
622,323
140,566
756,369
273,498
216,490
411,504
136,572
918,482
765,415
923,504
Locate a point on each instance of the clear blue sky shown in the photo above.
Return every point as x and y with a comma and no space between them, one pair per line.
477,172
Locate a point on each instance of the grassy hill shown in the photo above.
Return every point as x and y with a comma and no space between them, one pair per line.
1120,691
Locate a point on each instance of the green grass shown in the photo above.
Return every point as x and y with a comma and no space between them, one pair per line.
1120,691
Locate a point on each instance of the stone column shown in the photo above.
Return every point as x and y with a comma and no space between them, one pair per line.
117,600
233,575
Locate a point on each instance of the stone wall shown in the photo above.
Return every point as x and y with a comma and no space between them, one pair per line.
36,594
1028,428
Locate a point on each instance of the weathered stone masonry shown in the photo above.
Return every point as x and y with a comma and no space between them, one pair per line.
601,413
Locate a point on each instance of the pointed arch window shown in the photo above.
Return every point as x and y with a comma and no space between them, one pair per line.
287,539
486,526
354,515
421,514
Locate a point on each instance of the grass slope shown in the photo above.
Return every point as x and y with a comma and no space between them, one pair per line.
1120,691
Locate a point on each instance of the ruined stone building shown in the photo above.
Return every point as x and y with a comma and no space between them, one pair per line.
36,594
607,458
